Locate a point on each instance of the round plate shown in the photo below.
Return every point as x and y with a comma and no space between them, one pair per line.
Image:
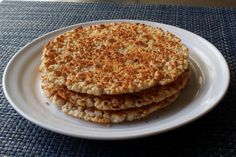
208,83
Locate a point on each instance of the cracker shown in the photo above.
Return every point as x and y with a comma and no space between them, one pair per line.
106,117
117,102
114,58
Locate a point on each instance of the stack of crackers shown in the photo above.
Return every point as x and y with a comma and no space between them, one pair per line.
114,72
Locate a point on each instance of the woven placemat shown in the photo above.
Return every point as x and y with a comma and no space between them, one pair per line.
211,135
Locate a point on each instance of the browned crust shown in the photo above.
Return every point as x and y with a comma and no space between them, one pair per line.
114,58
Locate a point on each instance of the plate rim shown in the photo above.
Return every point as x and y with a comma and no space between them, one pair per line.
128,136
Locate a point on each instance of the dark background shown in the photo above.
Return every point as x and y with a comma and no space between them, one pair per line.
212,3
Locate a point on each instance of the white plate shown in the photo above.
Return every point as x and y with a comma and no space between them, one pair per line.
207,85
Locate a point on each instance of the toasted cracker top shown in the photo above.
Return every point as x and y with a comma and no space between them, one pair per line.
114,58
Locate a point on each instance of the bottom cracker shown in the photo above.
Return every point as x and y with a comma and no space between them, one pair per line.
106,117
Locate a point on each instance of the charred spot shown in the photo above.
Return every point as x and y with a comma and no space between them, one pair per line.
57,73
111,40
141,43
103,47
102,26
97,66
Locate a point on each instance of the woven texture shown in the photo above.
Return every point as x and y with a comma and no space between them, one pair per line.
212,135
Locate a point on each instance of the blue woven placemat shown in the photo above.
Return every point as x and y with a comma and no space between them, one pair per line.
212,135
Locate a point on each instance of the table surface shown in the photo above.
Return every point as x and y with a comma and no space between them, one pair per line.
212,135
213,3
